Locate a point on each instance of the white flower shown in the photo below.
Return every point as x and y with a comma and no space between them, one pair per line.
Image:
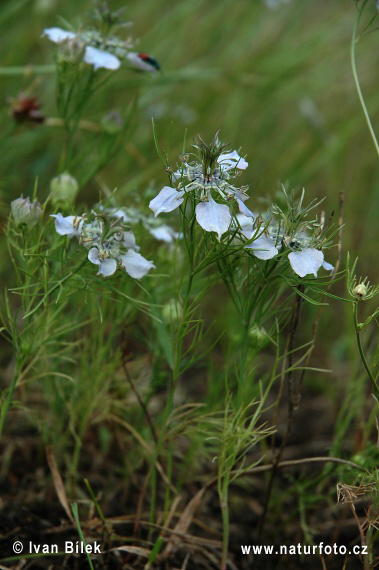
213,217
107,265
167,200
69,226
136,265
230,160
92,55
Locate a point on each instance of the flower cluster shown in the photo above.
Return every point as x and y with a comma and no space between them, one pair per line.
303,250
208,180
110,246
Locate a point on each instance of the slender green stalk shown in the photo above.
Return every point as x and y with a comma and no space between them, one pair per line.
354,40
74,509
362,354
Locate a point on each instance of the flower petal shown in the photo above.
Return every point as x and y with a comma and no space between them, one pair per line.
129,241
167,200
263,248
65,225
213,217
135,264
100,58
107,267
247,224
93,256
243,209
230,160
306,261
57,35
327,266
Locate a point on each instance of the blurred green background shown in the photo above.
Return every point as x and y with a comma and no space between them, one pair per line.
274,77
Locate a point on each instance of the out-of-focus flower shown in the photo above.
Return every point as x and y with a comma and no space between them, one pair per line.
63,188
132,216
110,246
26,109
207,181
26,212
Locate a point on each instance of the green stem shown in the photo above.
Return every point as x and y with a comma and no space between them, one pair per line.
27,70
223,493
362,354
8,400
354,40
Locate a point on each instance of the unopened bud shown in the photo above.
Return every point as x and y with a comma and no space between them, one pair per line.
63,188
258,336
26,212
112,122
360,291
172,311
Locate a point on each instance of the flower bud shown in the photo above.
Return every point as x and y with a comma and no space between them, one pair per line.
172,311
112,122
26,212
63,188
258,336
360,291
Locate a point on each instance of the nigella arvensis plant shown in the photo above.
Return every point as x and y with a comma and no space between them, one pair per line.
208,181
110,246
288,234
